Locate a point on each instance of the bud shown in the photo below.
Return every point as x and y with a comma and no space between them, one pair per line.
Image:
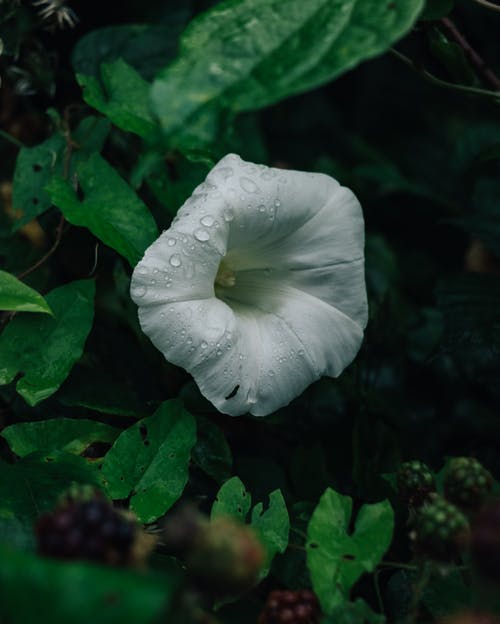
226,557
441,530
415,483
485,542
467,483
291,607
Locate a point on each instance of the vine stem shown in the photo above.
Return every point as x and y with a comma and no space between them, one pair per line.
488,5
475,58
46,256
443,83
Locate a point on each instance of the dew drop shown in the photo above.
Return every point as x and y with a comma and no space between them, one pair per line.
248,185
262,208
139,291
228,215
207,221
201,235
171,242
175,260
153,282
143,270
203,345
155,271
277,203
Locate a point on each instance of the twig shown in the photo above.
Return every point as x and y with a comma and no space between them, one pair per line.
474,57
488,5
8,137
38,263
443,83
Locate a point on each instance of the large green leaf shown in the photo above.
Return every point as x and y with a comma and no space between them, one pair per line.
273,527
34,589
271,524
110,209
124,97
72,435
246,54
35,166
150,461
336,557
43,349
16,296
32,486
232,500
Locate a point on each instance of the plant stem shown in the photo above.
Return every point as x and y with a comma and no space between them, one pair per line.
488,5
477,61
443,83
59,233
8,137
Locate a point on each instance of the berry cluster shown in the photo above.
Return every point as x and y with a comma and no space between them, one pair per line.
90,529
441,530
415,483
291,607
467,483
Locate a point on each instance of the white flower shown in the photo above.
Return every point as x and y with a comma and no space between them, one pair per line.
258,287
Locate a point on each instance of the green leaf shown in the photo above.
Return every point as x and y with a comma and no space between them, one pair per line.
150,461
72,435
16,296
109,209
246,54
232,500
44,349
78,592
146,48
357,612
211,452
273,527
32,486
124,98
337,558
35,166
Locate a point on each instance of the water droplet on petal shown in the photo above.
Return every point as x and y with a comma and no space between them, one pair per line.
175,260
277,203
248,185
228,215
262,208
203,345
207,221
143,270
201,235
171,242
139,291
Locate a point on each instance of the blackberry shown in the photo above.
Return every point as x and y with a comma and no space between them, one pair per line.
485,542
225,557
291,607
466,482
86,528
415,483
441,530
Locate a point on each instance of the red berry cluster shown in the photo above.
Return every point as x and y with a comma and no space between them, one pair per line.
291,607
86,529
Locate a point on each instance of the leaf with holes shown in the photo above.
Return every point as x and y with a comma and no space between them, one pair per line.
35,167
232,500
246,54
43,349
150,461
72,435
110,209
16,296
32,486
337,558
273,527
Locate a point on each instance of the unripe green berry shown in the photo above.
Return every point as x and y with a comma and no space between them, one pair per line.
467,483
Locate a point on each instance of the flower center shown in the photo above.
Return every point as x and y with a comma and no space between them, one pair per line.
226,277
